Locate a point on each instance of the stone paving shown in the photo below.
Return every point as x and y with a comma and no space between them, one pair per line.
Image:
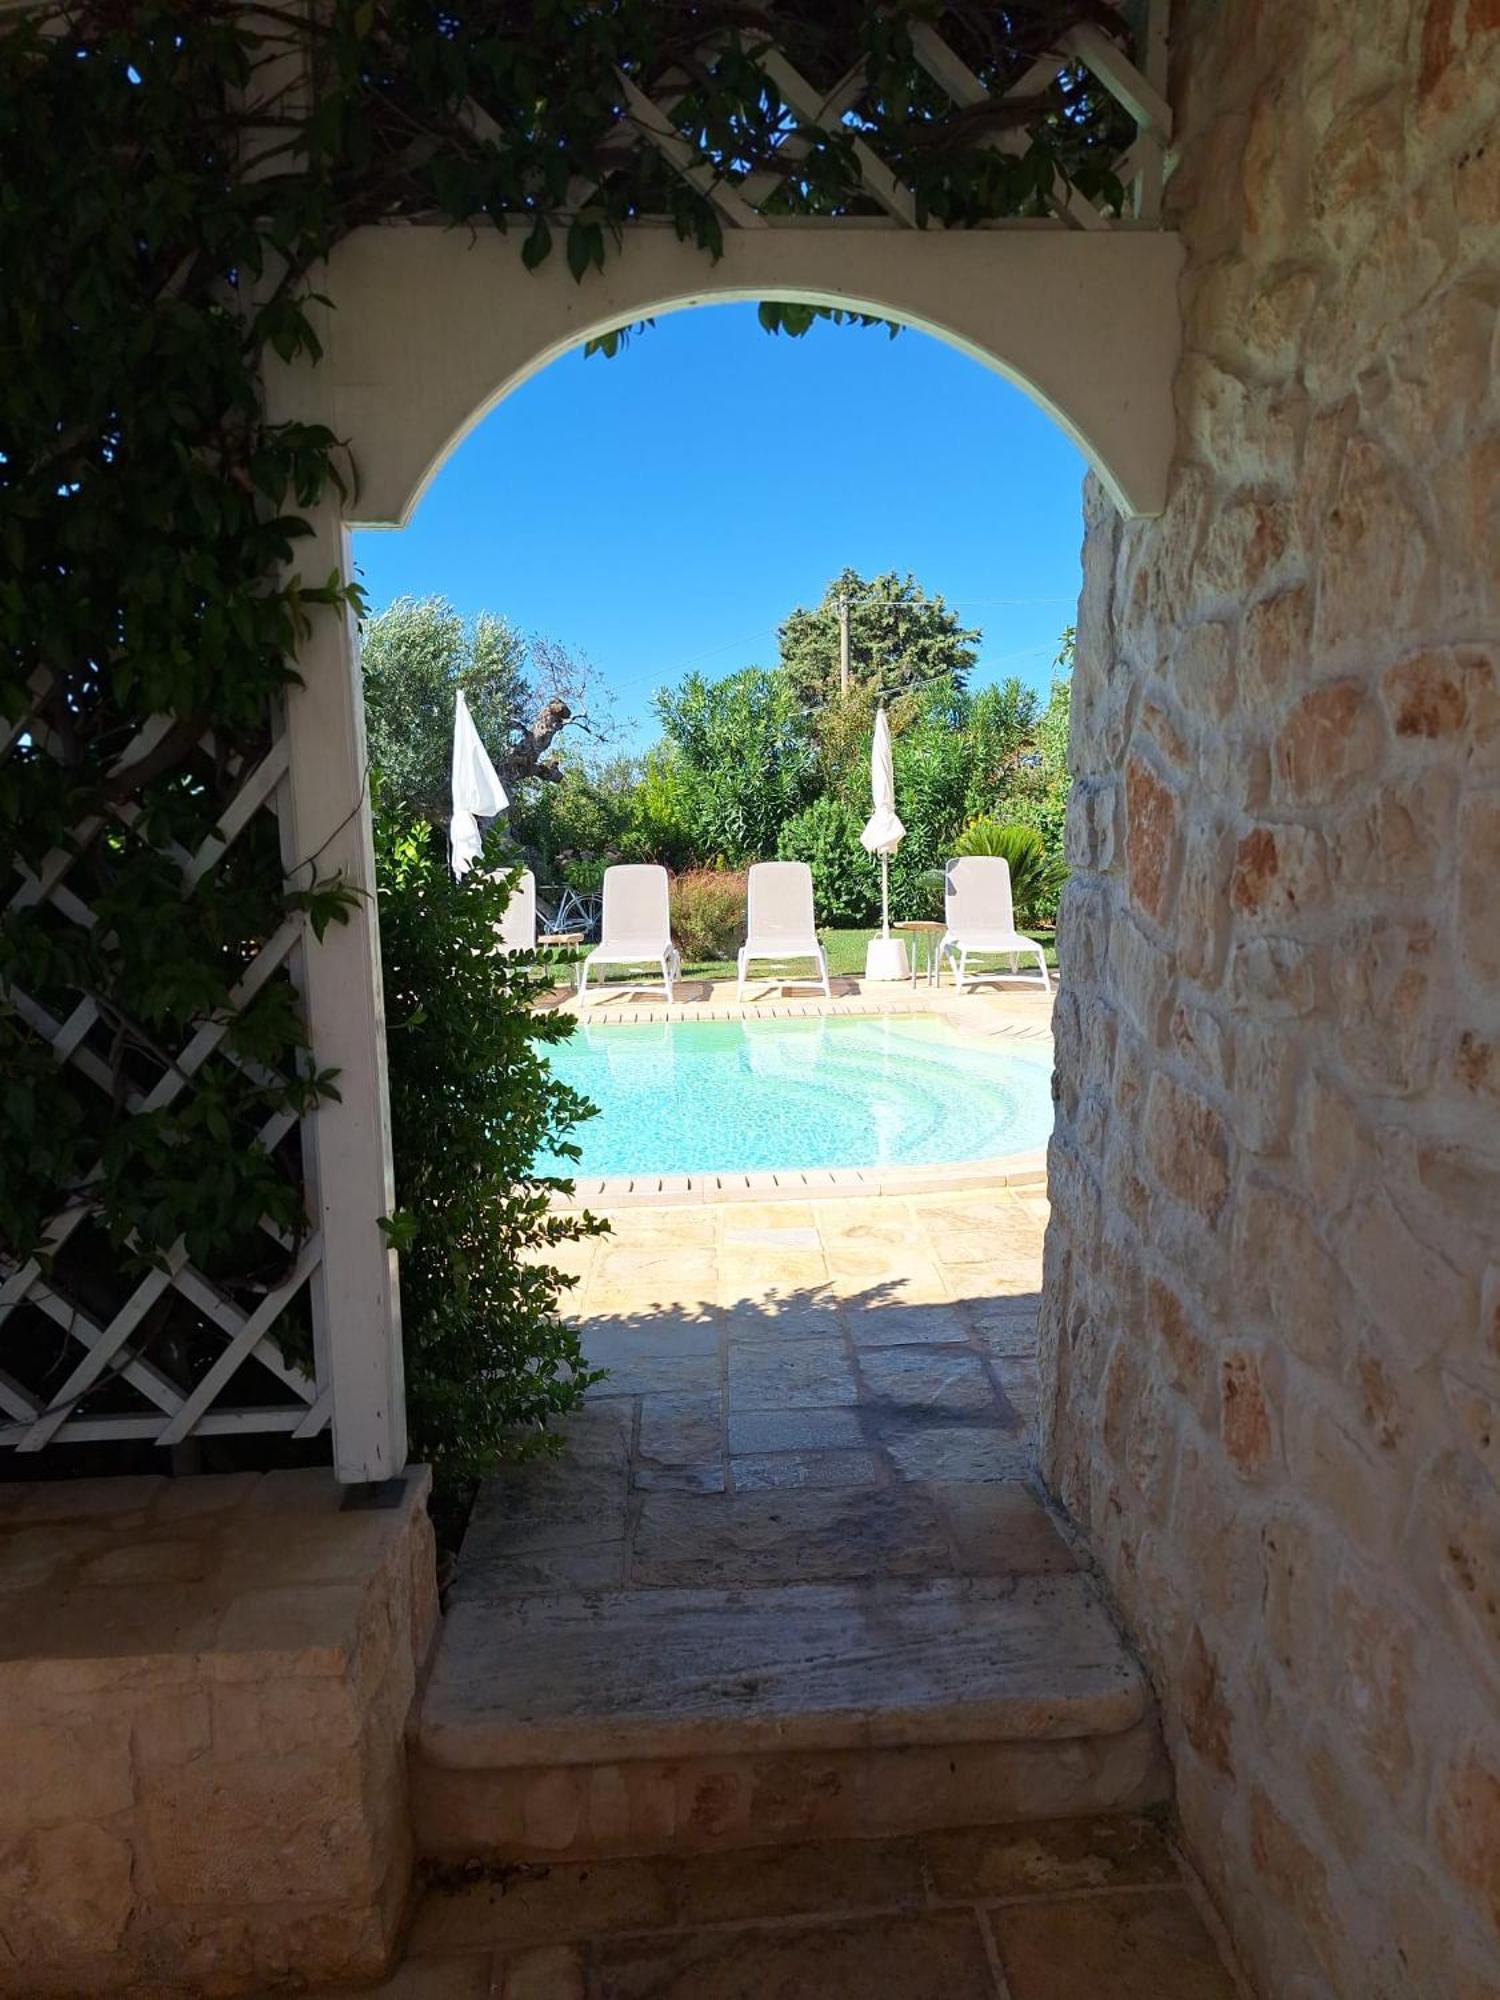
815,1395
796,1392
1073,1910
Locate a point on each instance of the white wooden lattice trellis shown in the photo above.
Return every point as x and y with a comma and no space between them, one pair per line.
107,1385
740,198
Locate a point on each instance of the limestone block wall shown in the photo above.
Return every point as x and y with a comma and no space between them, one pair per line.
205,1685
1272,1318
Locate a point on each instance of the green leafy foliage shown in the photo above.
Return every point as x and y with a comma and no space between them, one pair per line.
899,639
148,625
489,1359
745,759
708,913
418,655
1036,876
846,880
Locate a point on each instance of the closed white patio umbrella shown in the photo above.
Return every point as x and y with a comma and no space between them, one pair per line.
477,790
885,957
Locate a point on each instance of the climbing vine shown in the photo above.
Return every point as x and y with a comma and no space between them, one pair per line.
170,177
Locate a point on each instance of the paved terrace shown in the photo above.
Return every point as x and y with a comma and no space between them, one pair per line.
797,1391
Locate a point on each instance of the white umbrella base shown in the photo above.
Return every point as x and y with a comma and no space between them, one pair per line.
885,959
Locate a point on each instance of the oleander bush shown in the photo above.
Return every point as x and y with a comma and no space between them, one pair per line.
708,914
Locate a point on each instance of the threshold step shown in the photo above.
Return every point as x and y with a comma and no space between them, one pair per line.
668,1673
643,1720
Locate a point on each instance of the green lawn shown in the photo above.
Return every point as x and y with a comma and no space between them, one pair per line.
846,954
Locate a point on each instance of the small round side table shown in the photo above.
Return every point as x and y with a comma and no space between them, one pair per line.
924,935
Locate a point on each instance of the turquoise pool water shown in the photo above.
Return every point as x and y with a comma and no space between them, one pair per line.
686,1097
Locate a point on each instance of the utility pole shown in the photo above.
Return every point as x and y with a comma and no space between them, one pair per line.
843,642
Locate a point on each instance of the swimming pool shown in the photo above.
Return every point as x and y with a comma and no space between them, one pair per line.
694,1097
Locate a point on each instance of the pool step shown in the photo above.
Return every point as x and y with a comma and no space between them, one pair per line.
648,1721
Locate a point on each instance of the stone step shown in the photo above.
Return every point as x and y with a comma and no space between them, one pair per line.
640,1721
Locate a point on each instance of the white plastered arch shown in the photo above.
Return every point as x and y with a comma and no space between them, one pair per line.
430,327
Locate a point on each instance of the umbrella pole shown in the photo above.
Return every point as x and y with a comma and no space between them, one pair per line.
885,895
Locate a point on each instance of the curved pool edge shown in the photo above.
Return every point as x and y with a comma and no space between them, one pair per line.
1026,1168
805,1183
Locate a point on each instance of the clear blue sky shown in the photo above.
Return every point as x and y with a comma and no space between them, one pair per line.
666,509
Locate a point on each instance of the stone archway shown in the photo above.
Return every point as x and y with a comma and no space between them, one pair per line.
424,329
1086,325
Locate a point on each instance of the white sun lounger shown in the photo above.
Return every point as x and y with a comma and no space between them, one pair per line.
517,926
636,926
779,924
981,920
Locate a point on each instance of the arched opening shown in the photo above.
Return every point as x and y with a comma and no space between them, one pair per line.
819,1368
1085,325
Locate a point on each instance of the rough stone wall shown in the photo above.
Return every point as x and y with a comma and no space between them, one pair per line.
1272,1323
206,1684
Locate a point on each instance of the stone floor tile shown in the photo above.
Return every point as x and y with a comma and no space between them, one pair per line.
552,1972
991,1312
641,1304
541,1903
901,1324
765,1215
918,1957
545,1572
786,1536
834,1429
900,1273
808,1317
577,1499
1140,1945
750,1275
957,1452
961,1226
1007,1339
994,1282
690,1225
657,1374
830,1877
737,1235
679,1429
918,1379
466,1976
704,1478
623,1339
1000,1529
684,1270
1019,1386
805,1374
1048,1857
854,1215
759,1471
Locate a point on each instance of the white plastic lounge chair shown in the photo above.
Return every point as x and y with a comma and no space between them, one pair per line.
779,924
636,926
517,926
981,920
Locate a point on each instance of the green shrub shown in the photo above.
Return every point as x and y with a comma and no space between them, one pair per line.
1036,877
708,914
846,880
489,1361
660,822
742,748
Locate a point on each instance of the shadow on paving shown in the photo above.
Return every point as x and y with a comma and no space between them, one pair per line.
814,1434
